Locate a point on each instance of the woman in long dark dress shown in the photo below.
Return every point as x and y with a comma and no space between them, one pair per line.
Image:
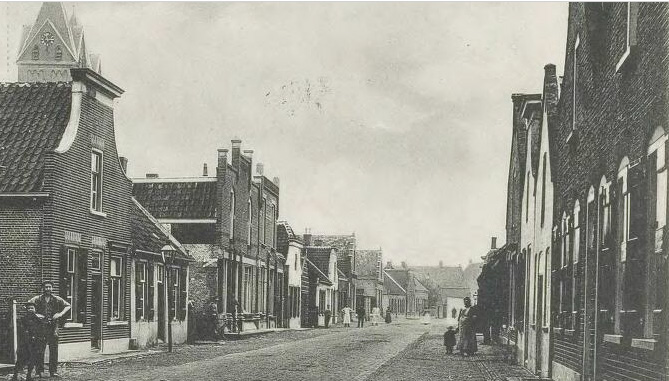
388,317
467,329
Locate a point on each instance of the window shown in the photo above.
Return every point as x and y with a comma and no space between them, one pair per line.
249,223
35,53
95,260
631,12
577,233
247,288
656,267
116,288
96,181
73,274
59,53
143,300
232,215
263,213
543,188
574,76
527,197
174,290
71,283
605,217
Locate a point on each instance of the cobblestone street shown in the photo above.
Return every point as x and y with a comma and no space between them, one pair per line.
403,350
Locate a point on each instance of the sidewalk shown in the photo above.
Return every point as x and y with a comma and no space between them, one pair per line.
426,359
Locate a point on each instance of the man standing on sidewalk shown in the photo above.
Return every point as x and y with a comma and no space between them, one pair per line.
52,307
361,316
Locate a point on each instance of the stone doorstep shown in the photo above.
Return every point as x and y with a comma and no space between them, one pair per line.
251,333
527,379
96,358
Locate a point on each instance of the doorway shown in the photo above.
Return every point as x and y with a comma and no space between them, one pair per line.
539,321
96,309
160,279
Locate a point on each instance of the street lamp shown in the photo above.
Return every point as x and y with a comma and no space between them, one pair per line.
168,252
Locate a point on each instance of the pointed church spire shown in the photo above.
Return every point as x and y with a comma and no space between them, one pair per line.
53,45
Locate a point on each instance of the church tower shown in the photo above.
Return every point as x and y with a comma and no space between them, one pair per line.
53,45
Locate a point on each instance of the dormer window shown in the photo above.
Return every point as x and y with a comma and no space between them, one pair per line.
35,53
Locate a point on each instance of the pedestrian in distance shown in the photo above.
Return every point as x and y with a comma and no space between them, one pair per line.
211,315
376,315
346,311
52,307
30,338
361,316
389,318
449,339
328,315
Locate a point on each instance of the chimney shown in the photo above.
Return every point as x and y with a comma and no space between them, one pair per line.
236,152
307,237
248,153
404,265
493,243
389,265
222,164
276,181
260,169
441,264
204,170
124,163
151,175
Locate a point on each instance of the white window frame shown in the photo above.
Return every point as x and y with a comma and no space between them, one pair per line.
96,193
232,214
144,288
71,293
632,10
116,280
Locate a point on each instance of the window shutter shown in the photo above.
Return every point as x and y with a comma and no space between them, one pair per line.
82,285
183,302
151,292
139,302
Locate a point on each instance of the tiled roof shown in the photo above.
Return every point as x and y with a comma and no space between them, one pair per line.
149,235
315,270
182,199
401,276
418,286
445,276
456,292
33,117
345,244
344,264
368,263
392,286
320,257
283,235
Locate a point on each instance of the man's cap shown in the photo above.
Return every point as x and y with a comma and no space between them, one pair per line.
28,304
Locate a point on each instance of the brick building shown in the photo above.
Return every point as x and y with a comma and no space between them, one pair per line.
66,212
416,294
345,246
291,246
611,190
369,281
228,223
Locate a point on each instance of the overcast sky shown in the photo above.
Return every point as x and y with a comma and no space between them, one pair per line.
390,120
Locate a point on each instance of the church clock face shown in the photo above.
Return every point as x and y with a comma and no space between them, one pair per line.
47,39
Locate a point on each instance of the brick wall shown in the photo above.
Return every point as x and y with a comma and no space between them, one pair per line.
615,114
20,225
68,181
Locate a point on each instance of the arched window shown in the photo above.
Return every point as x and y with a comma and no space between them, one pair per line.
35,53
605,211
59,53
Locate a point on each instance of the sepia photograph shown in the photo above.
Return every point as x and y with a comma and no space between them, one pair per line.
341,190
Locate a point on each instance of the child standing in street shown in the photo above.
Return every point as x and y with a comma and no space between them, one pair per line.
29,351
449,340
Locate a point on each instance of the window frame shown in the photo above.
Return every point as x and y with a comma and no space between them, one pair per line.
96,193
116,301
